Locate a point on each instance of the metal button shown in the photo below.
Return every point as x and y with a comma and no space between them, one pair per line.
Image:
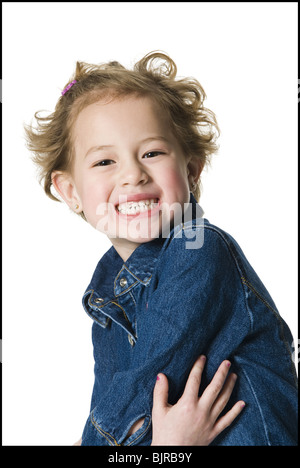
123,282
98,300
131,340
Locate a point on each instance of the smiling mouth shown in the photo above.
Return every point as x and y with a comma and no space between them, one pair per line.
134,208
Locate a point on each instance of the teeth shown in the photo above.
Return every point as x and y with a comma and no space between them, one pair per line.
137,207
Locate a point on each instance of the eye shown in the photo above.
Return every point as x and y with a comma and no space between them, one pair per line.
104,162
152,154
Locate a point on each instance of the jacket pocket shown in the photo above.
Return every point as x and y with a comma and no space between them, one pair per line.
142,436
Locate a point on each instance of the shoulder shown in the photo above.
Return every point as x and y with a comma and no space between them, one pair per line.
198,249
199,238
197,254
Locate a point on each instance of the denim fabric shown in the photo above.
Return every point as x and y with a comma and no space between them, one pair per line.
166,305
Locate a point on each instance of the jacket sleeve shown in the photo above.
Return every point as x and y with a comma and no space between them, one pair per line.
193,296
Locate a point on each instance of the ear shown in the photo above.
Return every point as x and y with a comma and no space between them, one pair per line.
64,185
194,169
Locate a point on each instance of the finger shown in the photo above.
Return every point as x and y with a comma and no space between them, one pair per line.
191,390
223,397
228,418
160,394
212,391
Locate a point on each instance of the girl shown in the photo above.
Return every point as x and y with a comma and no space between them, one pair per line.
125,150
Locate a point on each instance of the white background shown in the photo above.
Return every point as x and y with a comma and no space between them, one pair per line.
245,56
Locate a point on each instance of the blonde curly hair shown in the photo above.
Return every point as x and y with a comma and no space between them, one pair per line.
194,126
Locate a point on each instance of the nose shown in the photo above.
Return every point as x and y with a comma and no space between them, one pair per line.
133,173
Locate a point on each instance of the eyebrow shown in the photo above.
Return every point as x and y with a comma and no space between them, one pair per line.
97,148
146,140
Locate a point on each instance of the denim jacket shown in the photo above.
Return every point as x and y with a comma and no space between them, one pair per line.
176,298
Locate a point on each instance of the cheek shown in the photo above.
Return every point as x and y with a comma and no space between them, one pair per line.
176,182
93,195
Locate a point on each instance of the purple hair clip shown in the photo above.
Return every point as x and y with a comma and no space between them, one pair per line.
68,87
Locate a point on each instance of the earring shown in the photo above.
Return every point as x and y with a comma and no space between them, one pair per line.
76,207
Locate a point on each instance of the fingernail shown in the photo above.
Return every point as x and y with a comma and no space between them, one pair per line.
243,405
228,364
203,357
157,377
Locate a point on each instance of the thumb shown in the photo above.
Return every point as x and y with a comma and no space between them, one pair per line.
160,394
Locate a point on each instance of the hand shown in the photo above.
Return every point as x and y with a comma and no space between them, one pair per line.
78,442
193,420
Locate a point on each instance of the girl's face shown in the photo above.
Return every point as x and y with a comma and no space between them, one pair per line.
129,174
